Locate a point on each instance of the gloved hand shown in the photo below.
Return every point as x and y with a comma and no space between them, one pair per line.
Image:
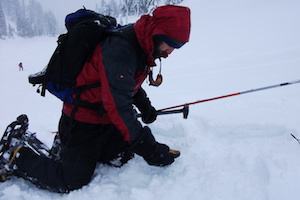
154,153
149,114
142,102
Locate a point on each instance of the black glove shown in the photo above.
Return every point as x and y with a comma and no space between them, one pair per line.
149,115
143,103
153,152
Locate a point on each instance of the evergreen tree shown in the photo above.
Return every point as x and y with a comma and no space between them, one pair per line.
28,20
11,31
173,1
22,23
3,29
123,8
50,24
141,7
36,18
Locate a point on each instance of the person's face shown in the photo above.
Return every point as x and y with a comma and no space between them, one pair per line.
162,49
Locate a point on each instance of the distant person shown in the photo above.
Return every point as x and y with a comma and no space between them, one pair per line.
21,66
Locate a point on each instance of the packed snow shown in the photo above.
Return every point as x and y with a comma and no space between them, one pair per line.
235,148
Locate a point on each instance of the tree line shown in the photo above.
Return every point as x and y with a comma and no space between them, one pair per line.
25,20
18,18
122,8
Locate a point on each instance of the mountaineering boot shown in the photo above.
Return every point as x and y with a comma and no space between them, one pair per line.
175,153
10,144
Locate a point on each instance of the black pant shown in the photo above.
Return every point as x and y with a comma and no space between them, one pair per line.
83,145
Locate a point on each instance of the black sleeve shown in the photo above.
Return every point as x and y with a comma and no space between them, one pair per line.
140,99
120,64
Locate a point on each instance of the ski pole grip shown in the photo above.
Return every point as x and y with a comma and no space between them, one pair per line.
184,110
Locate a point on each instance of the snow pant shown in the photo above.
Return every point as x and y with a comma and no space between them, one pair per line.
83,145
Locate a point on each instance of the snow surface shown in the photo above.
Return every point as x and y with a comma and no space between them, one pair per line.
236,148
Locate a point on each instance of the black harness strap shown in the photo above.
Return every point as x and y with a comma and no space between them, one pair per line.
84,104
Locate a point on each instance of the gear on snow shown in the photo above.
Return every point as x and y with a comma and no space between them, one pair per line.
15,137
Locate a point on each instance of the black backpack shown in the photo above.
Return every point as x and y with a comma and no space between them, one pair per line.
86,29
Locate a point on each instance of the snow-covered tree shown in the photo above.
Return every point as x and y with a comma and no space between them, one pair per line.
125,8
3,29
28,20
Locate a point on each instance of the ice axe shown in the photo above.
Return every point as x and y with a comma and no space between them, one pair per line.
184,111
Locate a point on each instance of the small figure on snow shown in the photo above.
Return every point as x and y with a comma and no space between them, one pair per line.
21,66
86,136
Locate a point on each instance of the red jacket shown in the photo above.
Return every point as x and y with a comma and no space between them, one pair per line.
121,63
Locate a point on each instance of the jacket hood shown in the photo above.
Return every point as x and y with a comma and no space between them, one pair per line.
170,20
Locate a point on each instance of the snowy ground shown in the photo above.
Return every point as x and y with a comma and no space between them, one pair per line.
237,148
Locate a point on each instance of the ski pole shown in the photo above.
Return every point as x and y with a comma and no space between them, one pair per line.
295,138
234,94
184,111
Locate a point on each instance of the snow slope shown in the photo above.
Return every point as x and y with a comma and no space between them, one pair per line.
232,149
